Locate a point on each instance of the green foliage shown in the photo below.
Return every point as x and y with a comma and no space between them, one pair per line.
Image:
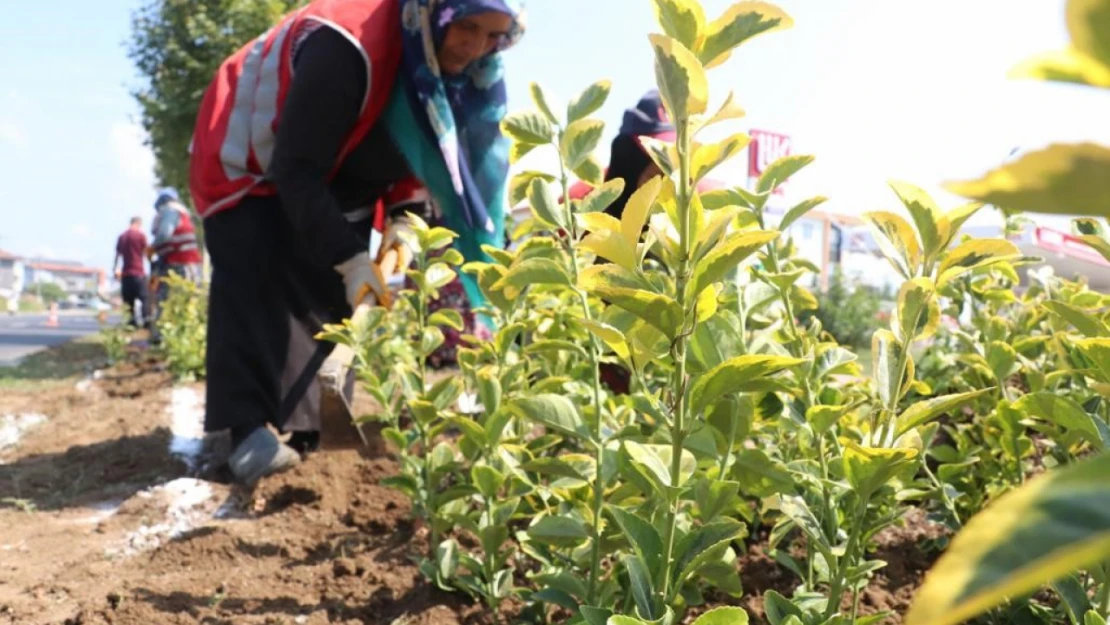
115,339
183,324
50,293
848,310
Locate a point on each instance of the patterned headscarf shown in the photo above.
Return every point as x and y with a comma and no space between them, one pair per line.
463,112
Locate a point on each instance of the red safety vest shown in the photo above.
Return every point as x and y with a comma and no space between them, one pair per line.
181,248
237,123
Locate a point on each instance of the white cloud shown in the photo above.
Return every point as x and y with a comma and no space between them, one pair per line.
12,134
81,230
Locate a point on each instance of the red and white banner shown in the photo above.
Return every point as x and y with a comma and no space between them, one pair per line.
765,148
1067,245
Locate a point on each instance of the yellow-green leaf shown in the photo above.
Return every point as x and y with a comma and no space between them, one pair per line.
680,77
1060,179
897,241
708,157
1067,413
729,110
957,217
886,352
528,127
609,335
656,459
734,376
522,182
662,153
1098,352
610,245
924,411
800,210
602,197
781,170
683,20
660,311
540,100
1089,26
1088,324
636,211
580,140
1100,245
912,315
728,255
931,224
1068,65
739,23
1055,524
590,171
868,468
976,253
533,271
589,101
544,205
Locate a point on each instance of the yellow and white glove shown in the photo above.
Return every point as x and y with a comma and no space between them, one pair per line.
364,282
395,255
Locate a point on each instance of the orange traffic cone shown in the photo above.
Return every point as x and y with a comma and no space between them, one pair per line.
52,318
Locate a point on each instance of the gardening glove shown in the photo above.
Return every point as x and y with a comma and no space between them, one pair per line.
395,254
364,283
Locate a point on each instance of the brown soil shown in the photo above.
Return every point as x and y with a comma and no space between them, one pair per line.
324,543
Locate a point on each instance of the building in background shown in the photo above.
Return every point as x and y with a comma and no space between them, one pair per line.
74,278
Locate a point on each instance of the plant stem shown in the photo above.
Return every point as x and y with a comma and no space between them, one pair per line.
848,561
948,503
599,447
678,388
1104,593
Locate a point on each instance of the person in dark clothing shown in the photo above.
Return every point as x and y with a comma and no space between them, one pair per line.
290,170
629,161
131,247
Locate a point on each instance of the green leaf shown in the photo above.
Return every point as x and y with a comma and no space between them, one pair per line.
589,101
796,510
917,315
1067,413
531,272
553,467
1055,524
522,182
800,210
1074,598
781,170
728,255
580,140
1001,359
759,475
733,376
741,22
602,197
683,20
540,100
1098,352
709,157
596,616
715,497
559,531
544,205
1068,66
1093,618
868,468
822,418
705,543
726,615
680,77
642,590
553,345
924,411
1060,179
656,459
447,317
885,354
447,559
1086,323
625,620
553,411
590,171
528,127
642,535
660,311
489,391
932,225
487,479
974,254
897,241
557,597
565,582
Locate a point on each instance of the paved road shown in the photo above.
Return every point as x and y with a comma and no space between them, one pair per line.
21,335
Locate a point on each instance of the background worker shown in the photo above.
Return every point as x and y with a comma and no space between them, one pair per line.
175,248
131,251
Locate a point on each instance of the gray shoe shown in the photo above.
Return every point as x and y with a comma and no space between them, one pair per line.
259,455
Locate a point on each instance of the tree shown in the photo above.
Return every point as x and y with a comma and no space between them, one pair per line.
177,46
50,292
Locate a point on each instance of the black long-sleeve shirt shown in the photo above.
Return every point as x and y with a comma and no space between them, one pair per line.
322,107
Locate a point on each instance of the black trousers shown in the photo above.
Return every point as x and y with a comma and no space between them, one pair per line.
262,299
133,289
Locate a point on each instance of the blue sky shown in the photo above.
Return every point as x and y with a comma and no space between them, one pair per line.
876,89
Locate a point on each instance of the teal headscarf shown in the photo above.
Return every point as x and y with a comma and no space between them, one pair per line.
448,127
